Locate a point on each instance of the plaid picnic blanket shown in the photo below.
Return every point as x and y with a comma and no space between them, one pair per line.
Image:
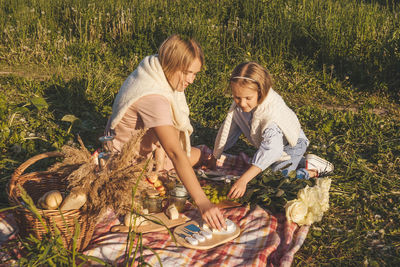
265,240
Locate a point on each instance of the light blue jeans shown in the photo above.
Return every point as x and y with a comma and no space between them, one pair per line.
296,160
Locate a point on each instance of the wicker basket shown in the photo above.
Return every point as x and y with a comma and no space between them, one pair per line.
37,184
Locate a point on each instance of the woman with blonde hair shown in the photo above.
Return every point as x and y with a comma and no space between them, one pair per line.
153,98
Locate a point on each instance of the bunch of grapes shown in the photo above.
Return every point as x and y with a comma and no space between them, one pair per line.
216,192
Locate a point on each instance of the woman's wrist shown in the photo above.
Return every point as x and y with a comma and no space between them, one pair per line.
200,198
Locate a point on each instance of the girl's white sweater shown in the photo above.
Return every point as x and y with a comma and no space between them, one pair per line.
272,109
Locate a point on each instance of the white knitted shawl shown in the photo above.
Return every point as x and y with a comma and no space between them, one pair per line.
149,78
272,109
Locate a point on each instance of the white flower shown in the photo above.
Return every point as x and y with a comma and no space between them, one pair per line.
309,195
311,203
296,210
324,184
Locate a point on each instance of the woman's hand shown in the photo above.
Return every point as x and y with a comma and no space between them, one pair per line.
168,138
238,189
212,215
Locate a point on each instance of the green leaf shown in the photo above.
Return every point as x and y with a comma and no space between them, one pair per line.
267,201
70,118
266,179
337,147
316,233
279,193
21,110
39,102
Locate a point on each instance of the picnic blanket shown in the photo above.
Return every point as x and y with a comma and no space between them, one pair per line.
265,240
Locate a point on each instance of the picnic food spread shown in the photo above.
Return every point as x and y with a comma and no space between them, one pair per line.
159,207
162,212
159,212
216,187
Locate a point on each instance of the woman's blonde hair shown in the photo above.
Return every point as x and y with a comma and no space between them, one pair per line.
253,76
177,54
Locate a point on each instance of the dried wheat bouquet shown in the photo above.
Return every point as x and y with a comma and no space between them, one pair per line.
118,185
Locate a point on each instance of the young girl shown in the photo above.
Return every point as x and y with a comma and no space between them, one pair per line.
153,98
269,124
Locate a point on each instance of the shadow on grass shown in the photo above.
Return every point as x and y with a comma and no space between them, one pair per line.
70,98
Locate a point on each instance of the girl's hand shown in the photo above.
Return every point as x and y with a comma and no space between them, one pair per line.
238,189
212,215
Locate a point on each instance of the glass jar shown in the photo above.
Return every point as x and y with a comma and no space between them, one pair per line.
170,184
152,201
178,197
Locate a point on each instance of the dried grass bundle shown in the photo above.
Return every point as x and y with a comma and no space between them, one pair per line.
112,185
73,159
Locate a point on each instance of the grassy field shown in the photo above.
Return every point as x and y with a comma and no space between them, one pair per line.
336,63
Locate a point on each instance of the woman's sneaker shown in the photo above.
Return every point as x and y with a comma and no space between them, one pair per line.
322,166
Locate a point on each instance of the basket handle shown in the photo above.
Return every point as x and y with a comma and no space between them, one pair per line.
20,170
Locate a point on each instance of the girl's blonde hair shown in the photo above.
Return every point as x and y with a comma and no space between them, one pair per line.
177,54
253,76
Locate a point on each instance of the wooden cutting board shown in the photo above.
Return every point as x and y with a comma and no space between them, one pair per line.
151,226
216,240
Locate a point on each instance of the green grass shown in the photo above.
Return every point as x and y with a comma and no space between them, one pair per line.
336,63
